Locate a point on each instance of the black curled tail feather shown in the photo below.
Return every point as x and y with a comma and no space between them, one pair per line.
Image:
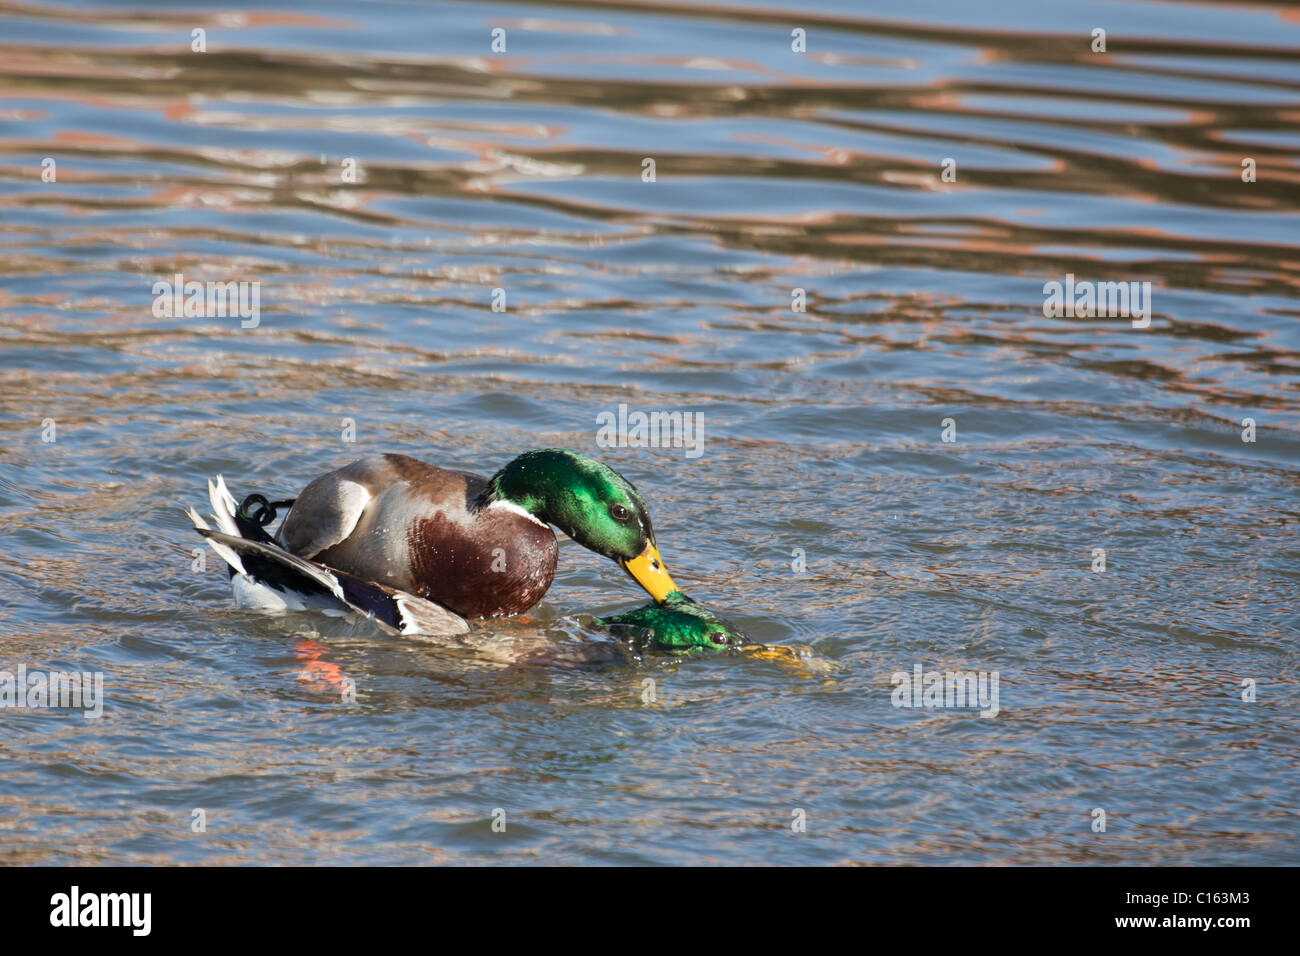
255,513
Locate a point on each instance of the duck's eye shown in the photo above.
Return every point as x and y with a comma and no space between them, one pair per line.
717,637
619,513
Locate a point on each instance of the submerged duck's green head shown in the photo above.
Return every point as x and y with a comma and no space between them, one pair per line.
678,623
590,502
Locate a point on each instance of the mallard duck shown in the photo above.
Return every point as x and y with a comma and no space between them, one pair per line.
423,548
676,623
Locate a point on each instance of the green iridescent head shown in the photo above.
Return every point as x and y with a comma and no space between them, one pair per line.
590,502
678,623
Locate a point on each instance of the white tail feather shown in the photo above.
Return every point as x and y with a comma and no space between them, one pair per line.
223,507
223,552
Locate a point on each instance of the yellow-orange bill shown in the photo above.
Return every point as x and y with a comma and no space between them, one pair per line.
649,572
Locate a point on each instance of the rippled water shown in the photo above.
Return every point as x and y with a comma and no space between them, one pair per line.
774,171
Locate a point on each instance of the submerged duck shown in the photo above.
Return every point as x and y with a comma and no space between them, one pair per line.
676,623
679,624
423,548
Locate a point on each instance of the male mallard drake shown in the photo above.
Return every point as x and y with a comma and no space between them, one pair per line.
397,531
676,623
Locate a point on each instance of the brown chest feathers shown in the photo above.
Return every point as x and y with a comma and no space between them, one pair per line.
500,563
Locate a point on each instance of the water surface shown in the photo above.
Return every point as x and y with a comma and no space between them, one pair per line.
775,171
